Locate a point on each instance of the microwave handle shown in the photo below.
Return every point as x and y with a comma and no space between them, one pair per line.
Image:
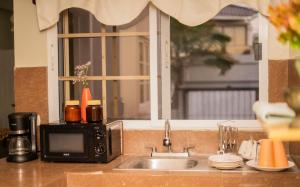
109,141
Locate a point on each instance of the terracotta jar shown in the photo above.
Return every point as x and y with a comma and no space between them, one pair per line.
72,111
94,111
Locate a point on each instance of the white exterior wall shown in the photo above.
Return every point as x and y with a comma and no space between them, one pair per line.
238,72
252,29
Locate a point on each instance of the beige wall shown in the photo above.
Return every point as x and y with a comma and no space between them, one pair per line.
276,49
30,43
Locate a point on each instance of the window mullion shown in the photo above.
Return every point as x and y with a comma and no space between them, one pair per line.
66,55
263,63
115,71
111,78
165,66
103,53
53,88
153,62
102,34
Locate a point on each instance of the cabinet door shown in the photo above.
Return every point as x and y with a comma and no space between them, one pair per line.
6,86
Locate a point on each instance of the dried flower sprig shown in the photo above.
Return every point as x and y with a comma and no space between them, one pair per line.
81,72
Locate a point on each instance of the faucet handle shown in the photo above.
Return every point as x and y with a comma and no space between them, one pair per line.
153,149
187,149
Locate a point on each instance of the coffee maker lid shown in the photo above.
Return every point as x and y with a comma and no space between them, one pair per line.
19,115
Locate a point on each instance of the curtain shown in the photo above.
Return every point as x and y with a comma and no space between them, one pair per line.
118,12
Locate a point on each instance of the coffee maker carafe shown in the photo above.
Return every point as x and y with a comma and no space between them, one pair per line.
22,137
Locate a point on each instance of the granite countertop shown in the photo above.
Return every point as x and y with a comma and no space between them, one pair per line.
38,173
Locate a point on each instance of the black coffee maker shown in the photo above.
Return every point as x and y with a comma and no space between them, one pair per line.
22,137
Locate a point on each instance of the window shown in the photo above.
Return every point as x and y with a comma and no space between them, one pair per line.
213,70
119,71
136,85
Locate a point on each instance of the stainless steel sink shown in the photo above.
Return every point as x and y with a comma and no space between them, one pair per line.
165,163
152,163
195,164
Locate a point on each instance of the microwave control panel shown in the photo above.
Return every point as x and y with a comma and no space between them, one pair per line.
99,141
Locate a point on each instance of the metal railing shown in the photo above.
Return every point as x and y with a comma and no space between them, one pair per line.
220,104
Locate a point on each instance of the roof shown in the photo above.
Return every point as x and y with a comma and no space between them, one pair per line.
235,11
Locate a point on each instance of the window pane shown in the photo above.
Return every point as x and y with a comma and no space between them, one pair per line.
82,50
214,74
127,55
80,21
128,99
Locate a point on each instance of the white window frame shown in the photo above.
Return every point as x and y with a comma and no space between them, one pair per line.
155,123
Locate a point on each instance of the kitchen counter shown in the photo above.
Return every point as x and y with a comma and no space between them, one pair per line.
37,173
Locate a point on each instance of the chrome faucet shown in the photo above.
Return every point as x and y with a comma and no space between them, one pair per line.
167,143
167,139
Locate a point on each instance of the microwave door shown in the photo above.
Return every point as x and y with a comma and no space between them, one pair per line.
66,146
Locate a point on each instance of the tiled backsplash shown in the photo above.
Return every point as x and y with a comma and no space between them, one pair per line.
205,142
282,75
278,79
31,91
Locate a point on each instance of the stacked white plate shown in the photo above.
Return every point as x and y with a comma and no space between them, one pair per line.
253,164
225,161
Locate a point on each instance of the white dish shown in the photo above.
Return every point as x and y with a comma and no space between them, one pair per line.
225,158
225,166
225,163
253,164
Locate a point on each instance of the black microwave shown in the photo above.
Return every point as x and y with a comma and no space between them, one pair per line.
81,142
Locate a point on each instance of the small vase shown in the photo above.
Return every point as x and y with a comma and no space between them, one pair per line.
85,97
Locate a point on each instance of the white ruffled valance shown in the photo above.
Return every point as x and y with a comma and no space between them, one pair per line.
119,12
